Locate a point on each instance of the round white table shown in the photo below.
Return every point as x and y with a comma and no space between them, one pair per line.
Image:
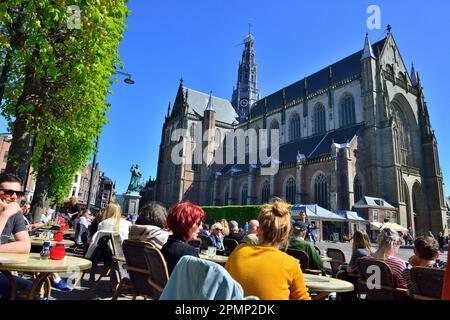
217,259
43,268
325,285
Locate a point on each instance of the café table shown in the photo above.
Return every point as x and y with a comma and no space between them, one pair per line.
325,285
32,263
37,241
70,232
217,258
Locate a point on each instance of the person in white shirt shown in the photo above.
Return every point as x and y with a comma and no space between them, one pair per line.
112,223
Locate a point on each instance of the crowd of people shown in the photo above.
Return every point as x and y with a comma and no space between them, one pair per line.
261,253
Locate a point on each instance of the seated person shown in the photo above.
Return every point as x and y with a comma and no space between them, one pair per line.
204,231
360,248
82,233
298,242
151,225
252,233
264,270
234,232
388,244
217,236
426,254
12,225
184,220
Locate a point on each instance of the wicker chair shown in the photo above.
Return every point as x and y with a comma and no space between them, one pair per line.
385,289
303,257
427,283
159,275
119,275
337,257
229,245
136,266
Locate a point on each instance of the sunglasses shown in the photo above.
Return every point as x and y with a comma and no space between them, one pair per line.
9,193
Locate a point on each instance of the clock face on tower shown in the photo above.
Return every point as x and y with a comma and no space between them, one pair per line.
243,103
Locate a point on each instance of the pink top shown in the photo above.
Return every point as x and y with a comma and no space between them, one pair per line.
397,266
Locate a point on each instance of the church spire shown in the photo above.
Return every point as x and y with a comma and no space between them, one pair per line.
246,92
368,51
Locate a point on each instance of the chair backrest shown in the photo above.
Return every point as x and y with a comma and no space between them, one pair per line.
117,250
159,275
301,255
197,279
206,242
229,245
338,258
137,268
373,271
427,283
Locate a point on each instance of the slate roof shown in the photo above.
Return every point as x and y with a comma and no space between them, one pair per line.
317,145
198,102
343,69
314,211
373,202
350,215
311,147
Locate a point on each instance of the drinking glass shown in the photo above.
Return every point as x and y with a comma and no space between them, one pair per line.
212,251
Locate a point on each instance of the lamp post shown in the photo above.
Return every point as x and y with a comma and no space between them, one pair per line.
129,81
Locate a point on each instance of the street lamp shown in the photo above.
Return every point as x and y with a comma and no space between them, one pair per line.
127,80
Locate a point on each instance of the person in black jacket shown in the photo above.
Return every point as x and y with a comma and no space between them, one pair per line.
184,220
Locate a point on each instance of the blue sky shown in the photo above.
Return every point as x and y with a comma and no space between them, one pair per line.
199,41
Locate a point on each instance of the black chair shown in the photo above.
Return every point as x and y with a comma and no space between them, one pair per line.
229,245
337,257
206,242
159,275
137,268
427,283
196,243
371,271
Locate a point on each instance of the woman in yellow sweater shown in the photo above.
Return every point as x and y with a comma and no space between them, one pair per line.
263,270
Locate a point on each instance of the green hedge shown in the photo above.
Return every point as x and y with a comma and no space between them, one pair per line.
239,213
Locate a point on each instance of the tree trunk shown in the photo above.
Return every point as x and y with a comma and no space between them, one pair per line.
5,73
19,154
41,197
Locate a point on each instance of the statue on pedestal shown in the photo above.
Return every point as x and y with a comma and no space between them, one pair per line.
133,186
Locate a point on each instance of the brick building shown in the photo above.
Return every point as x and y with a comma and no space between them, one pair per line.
5,143
358,127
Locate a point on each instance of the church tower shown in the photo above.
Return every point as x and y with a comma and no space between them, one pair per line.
246,92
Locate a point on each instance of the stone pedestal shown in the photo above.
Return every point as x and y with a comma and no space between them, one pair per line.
131,203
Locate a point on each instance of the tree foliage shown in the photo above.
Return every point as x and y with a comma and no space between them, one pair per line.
60,78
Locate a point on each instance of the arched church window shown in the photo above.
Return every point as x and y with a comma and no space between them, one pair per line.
273,126
244,194
357,189
319,119
321,191
290,191
347,111
294,127
265,192
403,136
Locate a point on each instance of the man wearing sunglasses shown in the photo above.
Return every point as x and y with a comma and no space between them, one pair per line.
12,224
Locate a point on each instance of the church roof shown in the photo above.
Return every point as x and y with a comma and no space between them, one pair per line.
373,202
198,102
311,147
341,70
317,145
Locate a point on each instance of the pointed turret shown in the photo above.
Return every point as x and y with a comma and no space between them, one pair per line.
209,106
368,51
414,80
168,111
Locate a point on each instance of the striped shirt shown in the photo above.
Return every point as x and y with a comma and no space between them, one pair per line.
397,266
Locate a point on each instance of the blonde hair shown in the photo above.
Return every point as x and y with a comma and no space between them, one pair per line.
275,223
226,227
114,212
73,200
386,241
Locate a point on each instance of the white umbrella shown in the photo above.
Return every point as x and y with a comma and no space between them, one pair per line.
394,226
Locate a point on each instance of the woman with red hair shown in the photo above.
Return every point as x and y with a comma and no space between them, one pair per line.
184,220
